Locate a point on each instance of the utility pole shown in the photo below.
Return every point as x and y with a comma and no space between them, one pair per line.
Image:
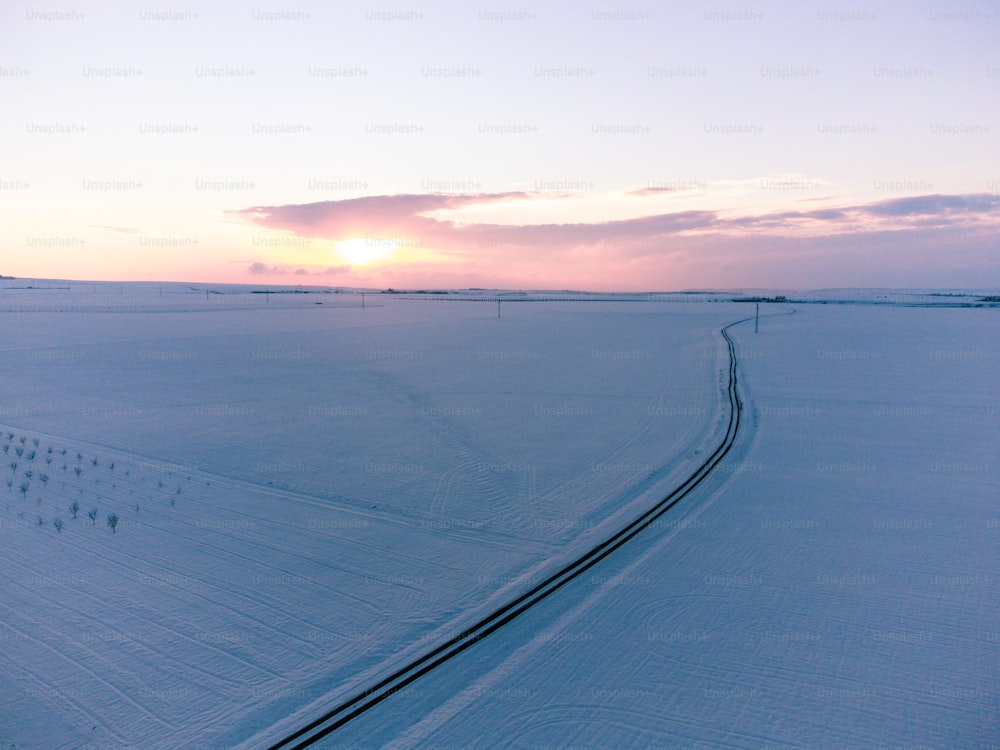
498,308
756,318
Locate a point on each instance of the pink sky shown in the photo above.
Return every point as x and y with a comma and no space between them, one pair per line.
422,240
679,147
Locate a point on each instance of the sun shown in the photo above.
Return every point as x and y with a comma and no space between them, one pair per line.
363,251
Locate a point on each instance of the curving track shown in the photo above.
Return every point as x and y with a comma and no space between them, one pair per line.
345,711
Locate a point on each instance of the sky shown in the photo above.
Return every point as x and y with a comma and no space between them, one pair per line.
603,146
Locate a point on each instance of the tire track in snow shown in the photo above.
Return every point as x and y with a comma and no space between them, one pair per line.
83,615
224,552
115,559
466,454
397,518
123,697
83,716
362,701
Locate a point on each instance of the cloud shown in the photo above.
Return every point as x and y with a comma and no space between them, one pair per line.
369,216
894,213
262,269
624,253
406,218
120,230
937,205
648,191
411,216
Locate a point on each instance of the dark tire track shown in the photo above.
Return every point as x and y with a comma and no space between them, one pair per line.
351,708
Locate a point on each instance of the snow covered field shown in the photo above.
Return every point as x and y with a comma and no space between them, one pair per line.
307,493
303,492
837,588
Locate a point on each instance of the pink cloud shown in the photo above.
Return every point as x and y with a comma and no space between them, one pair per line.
652,191
370,216
262,269
665,250
119,230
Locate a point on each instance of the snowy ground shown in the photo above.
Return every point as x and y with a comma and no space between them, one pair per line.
304,492
838,587
307,493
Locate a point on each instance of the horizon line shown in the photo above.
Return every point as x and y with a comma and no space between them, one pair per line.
382,290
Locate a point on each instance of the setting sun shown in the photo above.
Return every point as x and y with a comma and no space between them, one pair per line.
363,251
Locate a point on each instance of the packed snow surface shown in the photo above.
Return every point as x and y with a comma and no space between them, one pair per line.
836,586
308,491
